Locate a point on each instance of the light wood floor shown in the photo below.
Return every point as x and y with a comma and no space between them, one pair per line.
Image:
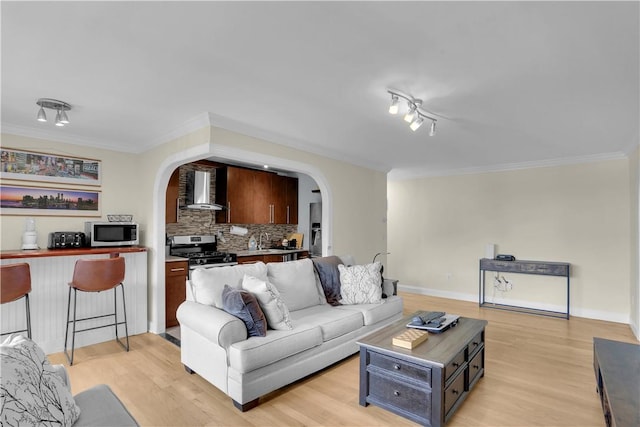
539,372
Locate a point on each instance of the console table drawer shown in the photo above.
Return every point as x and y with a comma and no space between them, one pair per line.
453,392
391,392
400,367
453,366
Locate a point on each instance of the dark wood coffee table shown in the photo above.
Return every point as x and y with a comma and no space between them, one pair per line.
426,384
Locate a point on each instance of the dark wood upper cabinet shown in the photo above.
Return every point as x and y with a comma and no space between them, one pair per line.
173,193
255,197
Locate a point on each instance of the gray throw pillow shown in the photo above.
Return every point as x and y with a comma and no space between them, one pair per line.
327,269
245,306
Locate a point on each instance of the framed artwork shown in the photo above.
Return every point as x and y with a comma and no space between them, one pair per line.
33,166
27,200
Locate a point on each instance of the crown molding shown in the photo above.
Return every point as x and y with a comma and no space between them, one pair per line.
407,174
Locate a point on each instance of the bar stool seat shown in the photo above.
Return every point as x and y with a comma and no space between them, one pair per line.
15,281
96,275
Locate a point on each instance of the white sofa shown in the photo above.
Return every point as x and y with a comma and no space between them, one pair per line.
215,344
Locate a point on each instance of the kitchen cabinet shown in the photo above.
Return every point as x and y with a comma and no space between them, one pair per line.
175,280
256,197
273,257
173,194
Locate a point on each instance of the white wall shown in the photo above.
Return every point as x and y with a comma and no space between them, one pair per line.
439,227
120,172
634,196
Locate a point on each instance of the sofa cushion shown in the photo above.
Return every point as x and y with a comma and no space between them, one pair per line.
256,352
273,307
32,391
207,283
374,313
329,275
296,282
244,306
361,284
333,323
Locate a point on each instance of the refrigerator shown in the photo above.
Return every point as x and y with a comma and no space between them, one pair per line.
315,228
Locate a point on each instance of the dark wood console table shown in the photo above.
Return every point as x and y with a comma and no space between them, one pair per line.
617,368
544,268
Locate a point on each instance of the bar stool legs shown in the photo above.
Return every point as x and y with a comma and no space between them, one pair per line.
125,346
96,276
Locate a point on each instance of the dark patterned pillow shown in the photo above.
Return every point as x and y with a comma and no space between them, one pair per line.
244,306
327,269
32,393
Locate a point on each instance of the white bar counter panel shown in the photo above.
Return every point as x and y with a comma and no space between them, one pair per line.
51,271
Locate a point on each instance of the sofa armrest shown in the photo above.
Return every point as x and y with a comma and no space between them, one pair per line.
214,324
61,371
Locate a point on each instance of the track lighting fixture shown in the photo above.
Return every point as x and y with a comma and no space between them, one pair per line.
60,107
415,115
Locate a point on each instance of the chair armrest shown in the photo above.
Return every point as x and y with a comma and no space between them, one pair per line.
61,371
214,324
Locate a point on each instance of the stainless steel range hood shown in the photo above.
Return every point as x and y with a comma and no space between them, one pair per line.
198,191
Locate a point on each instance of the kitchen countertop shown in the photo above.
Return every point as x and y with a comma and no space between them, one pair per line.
172,258
41,253
268,252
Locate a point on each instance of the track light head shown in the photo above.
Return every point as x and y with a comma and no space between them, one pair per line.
411,114
393,108
432,131
63,117
42,116
416,123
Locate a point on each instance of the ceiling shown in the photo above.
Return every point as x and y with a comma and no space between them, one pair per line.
513,84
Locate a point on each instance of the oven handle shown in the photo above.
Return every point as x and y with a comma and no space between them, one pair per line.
207,266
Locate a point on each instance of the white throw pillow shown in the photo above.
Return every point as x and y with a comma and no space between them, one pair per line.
207,283
361,284
272,305
32,392
296,282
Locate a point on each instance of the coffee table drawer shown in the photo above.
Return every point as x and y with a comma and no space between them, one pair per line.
475,367
400,367
475,343
453,392
400,395
453,366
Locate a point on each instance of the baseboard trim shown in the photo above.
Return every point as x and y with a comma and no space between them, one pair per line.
575,311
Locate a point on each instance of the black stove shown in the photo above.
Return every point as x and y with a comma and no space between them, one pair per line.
202,251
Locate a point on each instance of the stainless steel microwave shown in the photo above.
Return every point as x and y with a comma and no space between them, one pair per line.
111,233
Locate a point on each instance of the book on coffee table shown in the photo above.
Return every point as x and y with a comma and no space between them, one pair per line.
411,338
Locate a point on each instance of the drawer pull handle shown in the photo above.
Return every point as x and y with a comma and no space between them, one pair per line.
396,366
177,269
454,391
455,364
476,367
475,344
396,393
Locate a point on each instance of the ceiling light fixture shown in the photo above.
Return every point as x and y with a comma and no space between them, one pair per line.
60,107
415,115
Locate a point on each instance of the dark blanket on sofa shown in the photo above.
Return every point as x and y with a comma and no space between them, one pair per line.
327,269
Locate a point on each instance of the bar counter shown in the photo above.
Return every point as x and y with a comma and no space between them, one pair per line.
39,253
51,271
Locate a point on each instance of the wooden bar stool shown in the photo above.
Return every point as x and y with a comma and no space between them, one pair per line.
16,283
96,275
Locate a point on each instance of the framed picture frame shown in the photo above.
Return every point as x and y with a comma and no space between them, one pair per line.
45,201
34,166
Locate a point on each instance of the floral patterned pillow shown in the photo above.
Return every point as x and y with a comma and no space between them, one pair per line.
361,284
31,392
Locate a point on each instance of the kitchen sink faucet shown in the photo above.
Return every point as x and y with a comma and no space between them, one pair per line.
266,235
